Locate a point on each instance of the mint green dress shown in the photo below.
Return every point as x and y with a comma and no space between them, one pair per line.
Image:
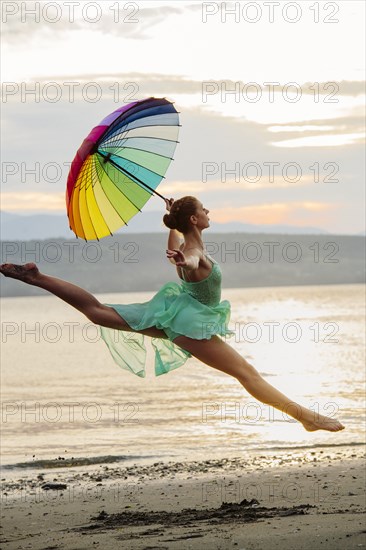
191,309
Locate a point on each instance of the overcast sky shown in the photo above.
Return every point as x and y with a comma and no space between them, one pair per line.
287,153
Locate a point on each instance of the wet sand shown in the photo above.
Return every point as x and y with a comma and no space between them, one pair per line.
303,499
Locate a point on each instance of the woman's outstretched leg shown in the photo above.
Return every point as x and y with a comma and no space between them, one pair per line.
218,354
77,297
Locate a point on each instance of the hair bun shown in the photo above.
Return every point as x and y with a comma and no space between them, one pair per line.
179,214
170,221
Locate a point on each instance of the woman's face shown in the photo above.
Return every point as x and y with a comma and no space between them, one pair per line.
203,220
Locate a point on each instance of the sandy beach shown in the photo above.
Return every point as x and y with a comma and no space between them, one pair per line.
303,499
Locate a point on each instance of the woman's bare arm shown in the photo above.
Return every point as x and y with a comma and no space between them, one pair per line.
188,262
174,241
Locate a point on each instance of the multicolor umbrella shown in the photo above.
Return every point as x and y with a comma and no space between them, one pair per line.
119,166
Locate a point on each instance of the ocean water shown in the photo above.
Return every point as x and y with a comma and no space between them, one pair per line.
65,401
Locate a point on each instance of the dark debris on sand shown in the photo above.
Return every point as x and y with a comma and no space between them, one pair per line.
243,512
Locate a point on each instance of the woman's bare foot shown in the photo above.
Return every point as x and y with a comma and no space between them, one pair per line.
28,273
322,422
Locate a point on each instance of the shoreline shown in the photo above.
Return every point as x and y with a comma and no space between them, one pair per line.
287,454
38,293
249,502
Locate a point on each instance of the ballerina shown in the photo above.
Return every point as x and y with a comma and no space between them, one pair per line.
183,320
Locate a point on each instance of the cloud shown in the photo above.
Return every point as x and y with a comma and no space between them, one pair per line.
355,120
333,89
147,83
205,137
295,212
182,84
330,132
268,213
330,89
322,141
250,183
27,202
48,133
22,23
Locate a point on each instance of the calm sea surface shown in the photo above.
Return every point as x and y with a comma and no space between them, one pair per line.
64,398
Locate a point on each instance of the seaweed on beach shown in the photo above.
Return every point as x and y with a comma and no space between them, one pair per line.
229,512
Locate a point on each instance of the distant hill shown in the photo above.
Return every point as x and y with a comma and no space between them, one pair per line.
48,226
137,262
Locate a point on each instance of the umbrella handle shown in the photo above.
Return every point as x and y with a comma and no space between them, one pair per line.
164,198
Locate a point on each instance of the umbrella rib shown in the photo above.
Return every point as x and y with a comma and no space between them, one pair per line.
126,129
121,131
83,173
118,119
95,174
137,164
89,174
121,118
144,151
140,110
94,179
151,126
145,137
69,207
135,205
119,215
134,177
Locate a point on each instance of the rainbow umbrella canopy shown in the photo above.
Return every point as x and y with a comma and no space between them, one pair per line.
119,166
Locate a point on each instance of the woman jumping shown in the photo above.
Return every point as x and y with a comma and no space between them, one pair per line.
183,319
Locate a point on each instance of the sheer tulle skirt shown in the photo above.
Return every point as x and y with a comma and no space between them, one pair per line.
174,311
